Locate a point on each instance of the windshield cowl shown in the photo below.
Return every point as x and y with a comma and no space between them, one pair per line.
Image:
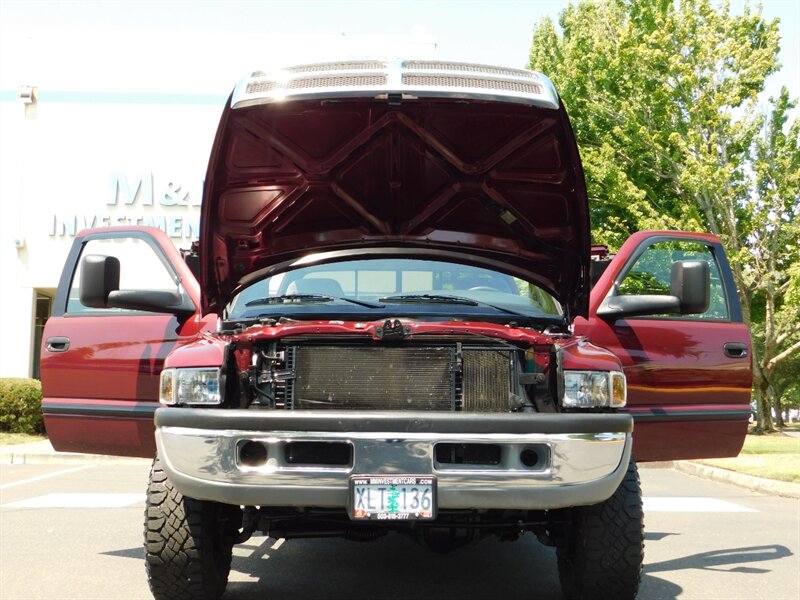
415,331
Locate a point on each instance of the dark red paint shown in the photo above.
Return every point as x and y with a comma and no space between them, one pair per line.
498,184
481,183
676,368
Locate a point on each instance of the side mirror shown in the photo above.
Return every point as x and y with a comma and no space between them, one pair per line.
99,277
100,289
690,293
690,282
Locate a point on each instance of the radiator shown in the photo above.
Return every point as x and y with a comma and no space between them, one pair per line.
426,378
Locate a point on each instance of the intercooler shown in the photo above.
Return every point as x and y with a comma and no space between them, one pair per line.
427,378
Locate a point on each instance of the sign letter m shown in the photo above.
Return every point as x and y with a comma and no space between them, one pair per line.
120,187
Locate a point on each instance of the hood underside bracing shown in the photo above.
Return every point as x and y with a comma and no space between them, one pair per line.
473,177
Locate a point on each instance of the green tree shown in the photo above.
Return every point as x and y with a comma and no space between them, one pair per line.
769,260
663,99
786,383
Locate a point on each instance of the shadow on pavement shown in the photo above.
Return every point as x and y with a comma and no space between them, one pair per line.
655,588
137,552
394,567
656,536
718,560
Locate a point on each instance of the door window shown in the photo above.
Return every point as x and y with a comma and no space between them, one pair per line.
651,274
140,268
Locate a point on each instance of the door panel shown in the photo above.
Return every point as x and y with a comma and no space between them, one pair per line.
688,391
101,367
100,394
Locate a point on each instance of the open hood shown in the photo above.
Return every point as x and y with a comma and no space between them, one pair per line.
424,159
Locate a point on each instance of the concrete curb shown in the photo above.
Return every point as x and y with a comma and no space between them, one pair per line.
68,458
758,484
42,453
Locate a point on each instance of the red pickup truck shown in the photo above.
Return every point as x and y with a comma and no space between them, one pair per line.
394,321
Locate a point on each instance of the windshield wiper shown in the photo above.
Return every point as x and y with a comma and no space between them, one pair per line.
442,299
428,299
289,298
301,298
361,302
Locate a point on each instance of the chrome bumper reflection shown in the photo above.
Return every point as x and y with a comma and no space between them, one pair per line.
575,468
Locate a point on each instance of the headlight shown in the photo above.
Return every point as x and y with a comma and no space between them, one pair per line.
190,386
591,389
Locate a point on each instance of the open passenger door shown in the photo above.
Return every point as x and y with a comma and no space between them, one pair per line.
689,375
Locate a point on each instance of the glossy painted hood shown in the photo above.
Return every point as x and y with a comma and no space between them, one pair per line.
448,161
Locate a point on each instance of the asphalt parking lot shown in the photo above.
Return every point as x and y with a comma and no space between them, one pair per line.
74,531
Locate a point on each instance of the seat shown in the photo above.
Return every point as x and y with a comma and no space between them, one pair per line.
466,283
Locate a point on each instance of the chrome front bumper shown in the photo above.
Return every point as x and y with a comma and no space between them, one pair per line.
583,457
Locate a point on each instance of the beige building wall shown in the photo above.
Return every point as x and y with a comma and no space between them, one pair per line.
118,133
69,165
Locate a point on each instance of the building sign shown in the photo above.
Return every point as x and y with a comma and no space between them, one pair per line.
143,199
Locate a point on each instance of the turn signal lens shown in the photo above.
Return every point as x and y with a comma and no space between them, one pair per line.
166,391
619,389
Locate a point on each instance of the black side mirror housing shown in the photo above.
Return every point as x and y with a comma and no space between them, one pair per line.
100,289
690,293
99,277
690,282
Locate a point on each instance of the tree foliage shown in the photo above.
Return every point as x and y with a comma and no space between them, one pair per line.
770,260
663,100
786,382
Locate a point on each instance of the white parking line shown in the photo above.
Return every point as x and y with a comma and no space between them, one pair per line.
46,476
278,543
691,504
79,500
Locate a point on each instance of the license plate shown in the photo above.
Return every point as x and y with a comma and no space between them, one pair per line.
392,497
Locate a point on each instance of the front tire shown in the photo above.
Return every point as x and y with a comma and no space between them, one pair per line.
187,542
602,553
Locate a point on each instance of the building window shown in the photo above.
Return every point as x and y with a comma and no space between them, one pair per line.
44,305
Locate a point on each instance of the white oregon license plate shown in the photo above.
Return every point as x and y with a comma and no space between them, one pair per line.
392,497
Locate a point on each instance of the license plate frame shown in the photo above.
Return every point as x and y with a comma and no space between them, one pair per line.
396,502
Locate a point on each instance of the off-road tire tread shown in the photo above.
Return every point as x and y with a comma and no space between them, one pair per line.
603,554
177,540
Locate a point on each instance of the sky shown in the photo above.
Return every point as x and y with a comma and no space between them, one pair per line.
205,45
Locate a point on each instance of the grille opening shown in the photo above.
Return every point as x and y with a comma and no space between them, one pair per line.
467,454
252,454
256,87
318,453
444,80
435,65
350,65
350,80
531,457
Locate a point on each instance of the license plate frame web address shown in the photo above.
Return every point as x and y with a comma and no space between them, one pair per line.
392,497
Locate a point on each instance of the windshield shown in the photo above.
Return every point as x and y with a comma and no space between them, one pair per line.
381,288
